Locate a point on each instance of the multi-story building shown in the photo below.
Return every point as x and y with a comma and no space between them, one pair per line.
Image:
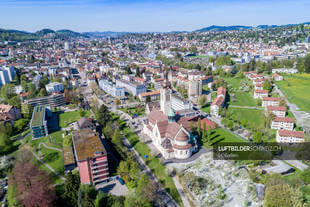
260,94
91,157
52,100
258,81
134,88
218,102
7,74
154,95
38,123
54,87
258,86
279,111
270,101
112,89
288,136
194,88
285,123
277,77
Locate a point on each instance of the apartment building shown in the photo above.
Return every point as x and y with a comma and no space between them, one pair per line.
279,111
38,123
9,113
154,95
260,94
91,157
218,102
54,100
112,89
7,74
285,123
131,87
54,87
288,136
270,101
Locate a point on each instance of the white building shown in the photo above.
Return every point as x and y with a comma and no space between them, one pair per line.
54,87
7,74
218,102
285,123
260,94
112,89
288,136
279,111
270,101
277,77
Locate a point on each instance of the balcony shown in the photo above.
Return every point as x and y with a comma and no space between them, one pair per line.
98,166
100,175
98,162
97,171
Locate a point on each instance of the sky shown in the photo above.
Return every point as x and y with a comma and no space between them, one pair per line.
147,15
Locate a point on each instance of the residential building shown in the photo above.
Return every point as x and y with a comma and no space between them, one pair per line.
279,111
9,113
285,123
54,100
54,87
194,88
277,77
270,101
86,122
131,87
38,123
260,94
258,86
91,157
112,89
7,74
285,70
154,95
218,102
288,136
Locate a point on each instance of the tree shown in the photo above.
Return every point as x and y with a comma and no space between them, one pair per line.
199,127
117,101
204,132
117,138
307,63
148,99
34,186
86,196
123,170
103,115
7,91
202,100
20,124
72,185
257,137
15,101
266,85
27,111
6,144
43,92
82,113
300,65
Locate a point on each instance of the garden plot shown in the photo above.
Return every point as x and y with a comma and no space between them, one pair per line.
217,183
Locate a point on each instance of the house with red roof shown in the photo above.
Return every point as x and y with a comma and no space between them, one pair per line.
285,123
288,136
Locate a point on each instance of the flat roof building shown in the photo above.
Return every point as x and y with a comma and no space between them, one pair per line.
38,123
91,156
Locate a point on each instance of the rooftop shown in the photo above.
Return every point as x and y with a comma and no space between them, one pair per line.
38,115
68,155
86,144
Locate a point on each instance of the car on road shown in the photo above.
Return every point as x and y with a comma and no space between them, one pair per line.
121,181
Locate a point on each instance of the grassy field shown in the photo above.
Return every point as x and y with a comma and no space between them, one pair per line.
244,99
135,110
253,116
69,117
53,158
223,135
296,88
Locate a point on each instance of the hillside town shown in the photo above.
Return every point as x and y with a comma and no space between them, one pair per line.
132,119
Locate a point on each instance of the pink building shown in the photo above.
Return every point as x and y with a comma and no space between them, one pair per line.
91,157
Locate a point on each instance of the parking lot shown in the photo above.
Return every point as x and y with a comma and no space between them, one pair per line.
113,186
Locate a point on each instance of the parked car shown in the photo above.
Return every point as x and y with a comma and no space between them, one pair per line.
121,181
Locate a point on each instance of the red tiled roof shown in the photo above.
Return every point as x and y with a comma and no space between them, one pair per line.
276,108
150,93
139,79
218,101
271,99
261,91
208,124
182,147
289,133
284,119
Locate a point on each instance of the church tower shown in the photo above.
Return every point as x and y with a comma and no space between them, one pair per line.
165,95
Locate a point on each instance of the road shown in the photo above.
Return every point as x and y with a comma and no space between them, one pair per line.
247,107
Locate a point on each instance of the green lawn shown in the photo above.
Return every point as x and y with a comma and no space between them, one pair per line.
235,82
66,118
56,140
135,110
206,109
296,88
254,117
243,99
53,158
223,135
